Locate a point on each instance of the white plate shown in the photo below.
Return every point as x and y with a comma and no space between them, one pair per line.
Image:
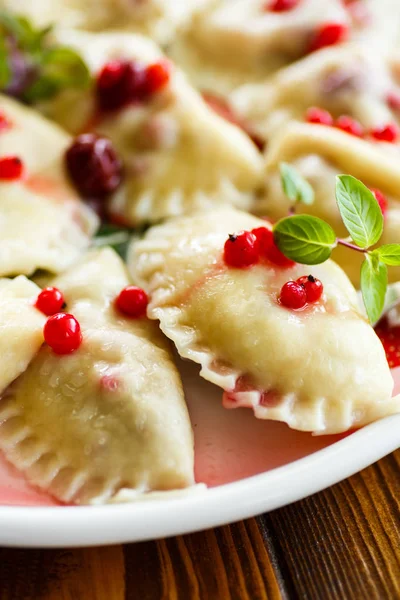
245,446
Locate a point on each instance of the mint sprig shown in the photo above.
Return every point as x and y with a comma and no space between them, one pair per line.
309,240
52,68
295,187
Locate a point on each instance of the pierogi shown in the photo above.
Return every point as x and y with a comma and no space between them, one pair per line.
178,154
111,416
43,223
322,369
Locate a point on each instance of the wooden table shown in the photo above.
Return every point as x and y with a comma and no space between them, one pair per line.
342,544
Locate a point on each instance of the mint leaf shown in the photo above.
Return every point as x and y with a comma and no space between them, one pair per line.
374,279
359,210
389,254
296,188
305,239
5,72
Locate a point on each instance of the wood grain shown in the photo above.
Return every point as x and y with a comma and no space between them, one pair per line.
343,543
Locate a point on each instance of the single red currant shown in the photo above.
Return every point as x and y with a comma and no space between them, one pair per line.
313,287
50,301
62,333
393,100
93,165
281,5
132,301
241,250
385,133
156,77
269,250
319,116
381,199
119,83
328,34
11,168
293,295
349,125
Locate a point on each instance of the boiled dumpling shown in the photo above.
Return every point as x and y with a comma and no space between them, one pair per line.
319,153
43,224
111,415
322,369
178,154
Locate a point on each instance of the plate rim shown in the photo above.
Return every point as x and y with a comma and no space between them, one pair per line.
77,526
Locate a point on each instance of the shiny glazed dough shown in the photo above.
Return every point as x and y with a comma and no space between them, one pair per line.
320,153
43,224
178,154
321,370
21,326
111,415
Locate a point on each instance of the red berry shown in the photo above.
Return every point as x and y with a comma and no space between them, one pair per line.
328,34
390,338
312,286
4,122
132,301
393,100
119,83
385,133
241,250
93,165
50,301
293,295
349,125
269,250
156,77
281,5
11,168
62,333
319,115
381,199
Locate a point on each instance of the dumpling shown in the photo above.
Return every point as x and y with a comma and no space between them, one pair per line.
111,415
156,18
21,328
178,154
43,224
208,50
320,153
346,79
322,369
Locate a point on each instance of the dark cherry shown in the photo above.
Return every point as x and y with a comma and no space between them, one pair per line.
119,83
93,165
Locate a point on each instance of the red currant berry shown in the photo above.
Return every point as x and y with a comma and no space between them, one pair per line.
381,199
50,301
93,165
312,286
132,301
156,77
293,295
393,100
281,5
62,333
4,122
328,34
319,116
385,133
269,250
241,250
119,83
349,125
11,168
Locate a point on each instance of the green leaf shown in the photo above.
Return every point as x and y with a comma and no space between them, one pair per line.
115,237
359,210
5,72
389,254
296,188
305,239
374,278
